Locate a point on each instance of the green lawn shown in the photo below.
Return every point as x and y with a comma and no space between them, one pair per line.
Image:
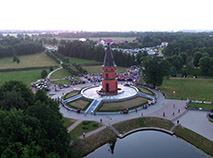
85,127
83,61
68,121
195,89
204,106
98,69
25,76
62,73
34,60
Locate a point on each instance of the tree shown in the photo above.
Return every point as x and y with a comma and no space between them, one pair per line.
140,56
155,68
204,65
197,57
189,67
43,74
51,68
184,56
36,131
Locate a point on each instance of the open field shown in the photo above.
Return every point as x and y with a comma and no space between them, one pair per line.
25,76
98,69
195,139
85,127
195,89
26,61
122,105
68,121
62,73
203,106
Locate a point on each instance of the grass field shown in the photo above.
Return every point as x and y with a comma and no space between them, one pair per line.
68,122
203,106
25,76
34,60
60,74
122,105
98,69
195,89
85,127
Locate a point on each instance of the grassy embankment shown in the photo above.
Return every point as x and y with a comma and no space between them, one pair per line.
85,127
96,140
195,139
194,89
125,126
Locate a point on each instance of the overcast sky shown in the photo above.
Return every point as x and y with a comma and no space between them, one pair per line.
108,15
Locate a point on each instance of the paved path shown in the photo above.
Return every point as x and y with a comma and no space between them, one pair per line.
198,122
74,125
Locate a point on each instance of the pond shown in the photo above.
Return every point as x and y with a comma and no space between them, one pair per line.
148,144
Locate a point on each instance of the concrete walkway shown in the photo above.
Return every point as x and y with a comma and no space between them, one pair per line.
197,121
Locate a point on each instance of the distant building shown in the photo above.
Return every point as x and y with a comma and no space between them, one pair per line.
164,44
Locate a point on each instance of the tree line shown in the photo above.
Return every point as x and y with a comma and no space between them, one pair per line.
11,46
84,50
31,124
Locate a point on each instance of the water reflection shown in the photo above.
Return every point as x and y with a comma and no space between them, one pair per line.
148,144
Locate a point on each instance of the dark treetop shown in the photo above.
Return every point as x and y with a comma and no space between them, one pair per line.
108,59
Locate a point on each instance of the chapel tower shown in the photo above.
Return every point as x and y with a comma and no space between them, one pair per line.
109,82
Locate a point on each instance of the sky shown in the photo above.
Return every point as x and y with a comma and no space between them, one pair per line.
109,15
